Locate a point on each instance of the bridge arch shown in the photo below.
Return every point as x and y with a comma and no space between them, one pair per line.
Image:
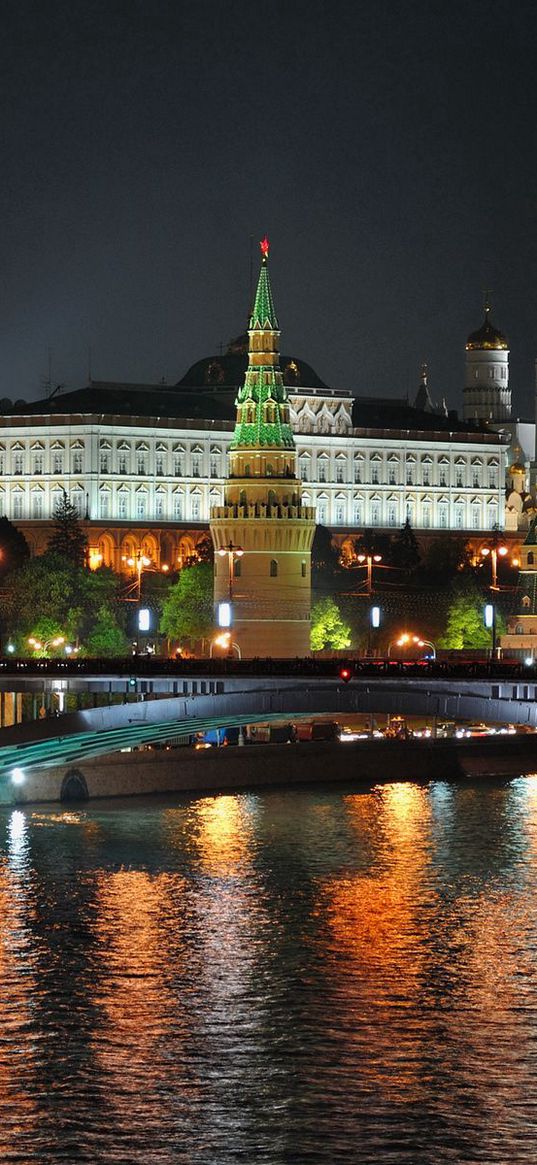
74,786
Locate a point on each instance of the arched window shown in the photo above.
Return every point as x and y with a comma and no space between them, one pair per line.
242,498
526,601
273,568
303,569
237,568
530,558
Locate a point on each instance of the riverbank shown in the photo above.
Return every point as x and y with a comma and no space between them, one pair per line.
187,770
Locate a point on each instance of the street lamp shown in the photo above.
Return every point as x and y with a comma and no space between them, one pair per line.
424,643
495,549
225,642
37,645
138,561
369,559
406,639
401,642
232,552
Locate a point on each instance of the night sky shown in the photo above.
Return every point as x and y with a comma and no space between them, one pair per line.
388,150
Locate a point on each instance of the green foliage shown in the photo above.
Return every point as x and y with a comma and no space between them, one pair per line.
187,611
465,622
50,592
67,538
328,631
14,550
205,549
45,631
106,638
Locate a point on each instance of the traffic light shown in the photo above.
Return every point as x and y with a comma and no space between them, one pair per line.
345,673
132,682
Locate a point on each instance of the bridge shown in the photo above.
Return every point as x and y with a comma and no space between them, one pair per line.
206,695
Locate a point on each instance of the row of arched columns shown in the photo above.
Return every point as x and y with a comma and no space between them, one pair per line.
113,546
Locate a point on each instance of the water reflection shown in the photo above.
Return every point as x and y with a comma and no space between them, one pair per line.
290,976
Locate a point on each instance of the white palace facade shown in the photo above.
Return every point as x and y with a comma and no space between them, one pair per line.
144,464
149,482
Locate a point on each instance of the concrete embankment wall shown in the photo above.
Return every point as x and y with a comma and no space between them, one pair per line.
186,770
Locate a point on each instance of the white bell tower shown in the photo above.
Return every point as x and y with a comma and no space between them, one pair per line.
487,396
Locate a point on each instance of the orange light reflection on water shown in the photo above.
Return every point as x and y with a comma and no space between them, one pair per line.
375,936
141,949
16,959
229,923
223,835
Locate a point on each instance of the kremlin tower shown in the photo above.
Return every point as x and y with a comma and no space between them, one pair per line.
487,396
263,534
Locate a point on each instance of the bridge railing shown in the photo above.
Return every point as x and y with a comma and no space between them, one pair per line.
147,666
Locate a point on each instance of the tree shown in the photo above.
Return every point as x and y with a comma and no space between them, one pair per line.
50,634
68,598
187,611
93,590
328,631
465,623
41,589
106,638
67,537
14,549
374,542
204,549
405,551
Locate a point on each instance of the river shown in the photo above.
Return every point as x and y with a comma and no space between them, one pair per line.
318,975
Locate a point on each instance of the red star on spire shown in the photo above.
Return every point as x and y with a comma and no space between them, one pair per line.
265,245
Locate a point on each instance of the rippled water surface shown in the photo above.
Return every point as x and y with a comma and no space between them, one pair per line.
306,976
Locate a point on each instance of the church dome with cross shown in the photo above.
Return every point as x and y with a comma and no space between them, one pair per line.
487,337
487,396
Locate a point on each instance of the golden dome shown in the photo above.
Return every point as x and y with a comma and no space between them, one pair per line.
517,468
487,337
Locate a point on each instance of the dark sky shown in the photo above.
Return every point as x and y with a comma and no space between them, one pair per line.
388,150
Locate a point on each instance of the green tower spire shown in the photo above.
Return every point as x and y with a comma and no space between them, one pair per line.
262,407
263,313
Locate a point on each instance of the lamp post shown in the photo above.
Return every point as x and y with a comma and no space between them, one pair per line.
138,560
424,643
233,552
369,559
495,549
406,639
37,645
401,642
225,642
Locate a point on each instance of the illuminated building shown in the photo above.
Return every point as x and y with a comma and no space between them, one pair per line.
487,396
521,636
145,463
263,511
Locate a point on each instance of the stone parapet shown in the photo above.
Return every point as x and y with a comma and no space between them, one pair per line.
256,510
